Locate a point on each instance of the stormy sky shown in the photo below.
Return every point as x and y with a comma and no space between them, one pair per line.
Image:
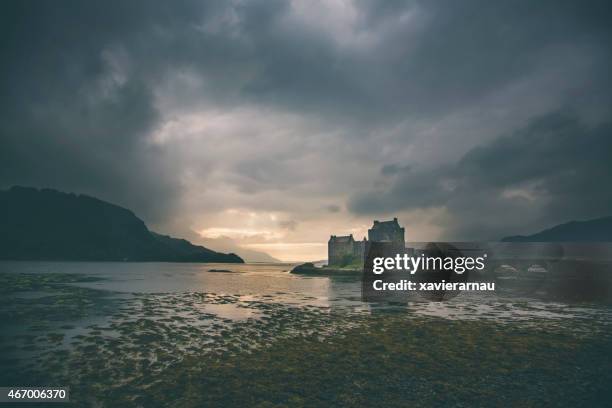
272,124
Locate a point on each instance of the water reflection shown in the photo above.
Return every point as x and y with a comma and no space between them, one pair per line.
50,308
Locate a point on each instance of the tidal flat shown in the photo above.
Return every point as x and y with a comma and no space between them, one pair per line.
311,347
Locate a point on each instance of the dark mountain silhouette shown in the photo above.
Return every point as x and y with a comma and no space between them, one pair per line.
597,230
50,225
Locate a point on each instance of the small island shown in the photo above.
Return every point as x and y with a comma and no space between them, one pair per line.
346,256
309,268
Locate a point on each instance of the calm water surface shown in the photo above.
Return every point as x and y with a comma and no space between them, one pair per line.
262,282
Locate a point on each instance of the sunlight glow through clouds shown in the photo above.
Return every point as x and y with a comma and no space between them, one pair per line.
293,251
239,233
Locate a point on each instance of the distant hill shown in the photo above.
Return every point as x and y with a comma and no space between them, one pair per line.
226,244
597,230
50,225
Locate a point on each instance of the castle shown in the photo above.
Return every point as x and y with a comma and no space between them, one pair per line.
343,250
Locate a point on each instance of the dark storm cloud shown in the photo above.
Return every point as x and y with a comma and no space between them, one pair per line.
422,58
76,107
469,49
393,169
85,85
554,166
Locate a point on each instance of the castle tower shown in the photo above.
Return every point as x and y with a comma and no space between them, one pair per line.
339,249
388,231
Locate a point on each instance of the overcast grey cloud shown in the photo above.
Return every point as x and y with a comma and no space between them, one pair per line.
240,118
539,174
